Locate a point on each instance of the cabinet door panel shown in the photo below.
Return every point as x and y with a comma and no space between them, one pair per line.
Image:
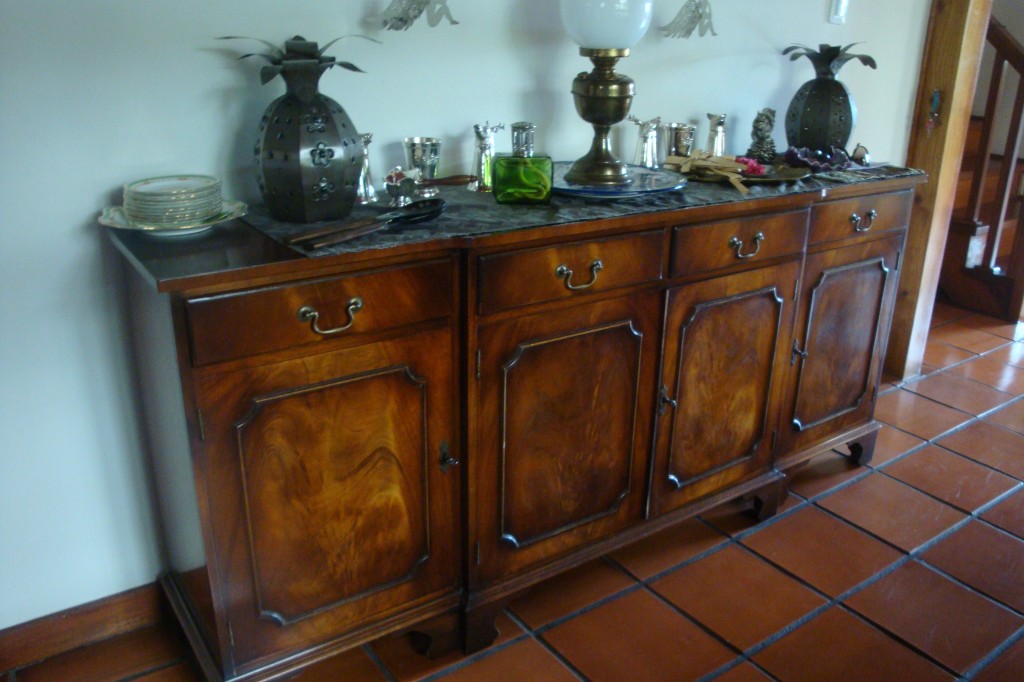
725,340
565,399
322,494
330,507
848,297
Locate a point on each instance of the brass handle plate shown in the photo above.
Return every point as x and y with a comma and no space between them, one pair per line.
308,313
564,272
863,223
447,460
737,244
665,401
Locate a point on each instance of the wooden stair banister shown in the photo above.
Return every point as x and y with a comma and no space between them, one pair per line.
1008,50
971,274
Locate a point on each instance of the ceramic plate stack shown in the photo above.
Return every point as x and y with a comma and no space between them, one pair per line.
173,201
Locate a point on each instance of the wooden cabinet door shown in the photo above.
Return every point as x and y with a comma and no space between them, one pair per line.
565,399
723,370
329,504
847,298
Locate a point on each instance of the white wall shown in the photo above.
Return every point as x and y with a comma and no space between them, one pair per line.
95,94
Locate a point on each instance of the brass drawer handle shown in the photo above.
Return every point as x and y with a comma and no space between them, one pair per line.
737,243
565,273
308,313
860,224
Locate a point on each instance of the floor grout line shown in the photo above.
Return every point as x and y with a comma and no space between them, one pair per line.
994,655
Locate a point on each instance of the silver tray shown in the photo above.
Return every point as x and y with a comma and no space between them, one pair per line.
645,181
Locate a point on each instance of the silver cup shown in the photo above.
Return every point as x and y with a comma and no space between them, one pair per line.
678,139
423,153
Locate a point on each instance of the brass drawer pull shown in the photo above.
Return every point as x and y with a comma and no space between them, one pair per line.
863,224
308,313
565,273
737,243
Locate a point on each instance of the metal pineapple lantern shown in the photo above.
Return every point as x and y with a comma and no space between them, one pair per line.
309,153
822,112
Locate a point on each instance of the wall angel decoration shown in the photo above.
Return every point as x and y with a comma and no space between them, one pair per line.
695,14
401,14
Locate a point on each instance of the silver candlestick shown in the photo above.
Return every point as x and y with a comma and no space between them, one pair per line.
483,163
365,193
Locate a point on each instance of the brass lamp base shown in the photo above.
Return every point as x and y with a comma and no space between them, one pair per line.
602,99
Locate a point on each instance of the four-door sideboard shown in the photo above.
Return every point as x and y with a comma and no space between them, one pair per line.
404,432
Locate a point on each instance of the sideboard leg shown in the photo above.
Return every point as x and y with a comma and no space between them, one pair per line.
478,627
863,449
436,637
766,500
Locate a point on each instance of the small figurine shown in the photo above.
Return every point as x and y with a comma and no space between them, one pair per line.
762,148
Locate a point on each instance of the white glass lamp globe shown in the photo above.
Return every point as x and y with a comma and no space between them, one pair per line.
606,24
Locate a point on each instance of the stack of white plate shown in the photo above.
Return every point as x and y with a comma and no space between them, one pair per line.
173,201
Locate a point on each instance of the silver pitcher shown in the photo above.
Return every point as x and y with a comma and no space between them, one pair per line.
647,142
716,135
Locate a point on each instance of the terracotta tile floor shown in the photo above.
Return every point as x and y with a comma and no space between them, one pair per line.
909,569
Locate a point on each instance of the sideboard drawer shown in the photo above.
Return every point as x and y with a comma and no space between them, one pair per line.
744,241
510,280
235,325
860,216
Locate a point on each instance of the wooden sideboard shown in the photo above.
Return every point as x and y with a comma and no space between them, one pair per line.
379,439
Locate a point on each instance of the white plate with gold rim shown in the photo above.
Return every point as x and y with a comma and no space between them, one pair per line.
114,216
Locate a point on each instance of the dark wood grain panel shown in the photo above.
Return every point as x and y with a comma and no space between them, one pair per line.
709,247
235,325
852,218
568,417
510,280
564,428
726,342
335,509
838,349
325,476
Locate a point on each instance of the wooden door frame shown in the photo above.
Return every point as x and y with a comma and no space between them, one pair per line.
950,63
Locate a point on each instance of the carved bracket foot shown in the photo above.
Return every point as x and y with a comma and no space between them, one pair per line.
765,501
437,637
862,449
478,627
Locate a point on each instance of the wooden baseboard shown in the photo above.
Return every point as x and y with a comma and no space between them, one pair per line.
26,643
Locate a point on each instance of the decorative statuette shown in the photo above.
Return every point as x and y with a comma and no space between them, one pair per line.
695,14
762,147
309,154
401,14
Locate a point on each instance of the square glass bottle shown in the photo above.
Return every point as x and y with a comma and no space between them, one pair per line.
522,177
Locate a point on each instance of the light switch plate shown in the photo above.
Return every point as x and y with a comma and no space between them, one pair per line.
837,12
